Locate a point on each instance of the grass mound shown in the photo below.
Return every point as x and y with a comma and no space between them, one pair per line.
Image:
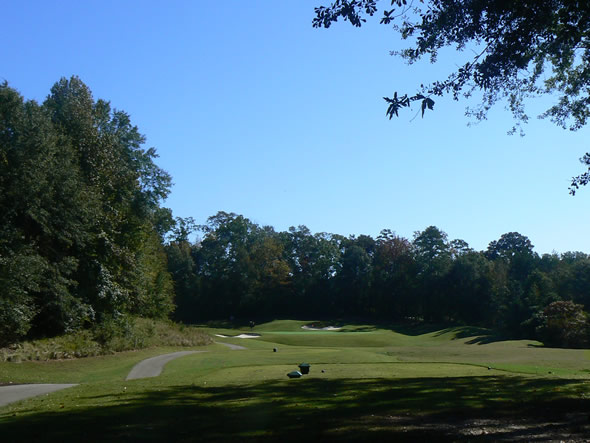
109,337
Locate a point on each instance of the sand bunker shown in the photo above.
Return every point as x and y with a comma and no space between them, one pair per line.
327,328
239,336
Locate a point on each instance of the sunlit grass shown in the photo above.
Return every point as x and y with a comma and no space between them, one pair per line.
359,376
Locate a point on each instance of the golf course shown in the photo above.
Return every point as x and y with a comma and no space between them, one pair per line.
210,231
365,382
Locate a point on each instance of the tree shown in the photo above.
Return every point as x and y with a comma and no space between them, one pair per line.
224,263
517,50
354,278
459,248
469,289
509,246
432,253
183,271
394,273
81,225
573,280
516,41
432,250
564,324
123,188
516,250
43,211
314,260
513,259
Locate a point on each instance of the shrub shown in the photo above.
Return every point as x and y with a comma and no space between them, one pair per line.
112,335
564,324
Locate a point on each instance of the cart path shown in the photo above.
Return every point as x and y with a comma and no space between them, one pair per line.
12,393
152,367
232,347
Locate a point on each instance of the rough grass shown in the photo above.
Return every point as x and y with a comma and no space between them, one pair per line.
130,334
378,384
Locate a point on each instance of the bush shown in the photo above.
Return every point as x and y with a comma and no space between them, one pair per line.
15,320
112,335
564,324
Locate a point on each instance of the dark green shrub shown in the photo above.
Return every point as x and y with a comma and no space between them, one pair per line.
564,324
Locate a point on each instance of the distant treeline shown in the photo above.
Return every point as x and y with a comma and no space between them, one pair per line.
81,227
85,242
244,270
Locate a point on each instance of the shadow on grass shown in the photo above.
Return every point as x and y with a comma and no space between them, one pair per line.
480,336
313,409
416,328
410,328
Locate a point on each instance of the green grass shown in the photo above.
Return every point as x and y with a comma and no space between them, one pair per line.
126,334
366,382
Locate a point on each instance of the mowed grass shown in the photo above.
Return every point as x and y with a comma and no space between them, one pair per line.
365,382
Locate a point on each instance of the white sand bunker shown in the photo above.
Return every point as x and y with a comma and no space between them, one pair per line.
239,336
327,328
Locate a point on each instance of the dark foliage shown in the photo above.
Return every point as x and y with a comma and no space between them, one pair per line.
564,324
242,270
80,221
515,51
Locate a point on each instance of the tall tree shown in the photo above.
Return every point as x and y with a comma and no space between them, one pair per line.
124,188
432,252
314,260
468,288
354,278
224,263
510,245
242,268
564,324
271,282
514,260
43,216
394,277
183,270
81,234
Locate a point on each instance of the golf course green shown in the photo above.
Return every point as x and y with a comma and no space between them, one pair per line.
365,382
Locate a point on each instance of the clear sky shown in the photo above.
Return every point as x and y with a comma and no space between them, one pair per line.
255,112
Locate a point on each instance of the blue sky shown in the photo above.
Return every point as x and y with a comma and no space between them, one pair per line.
255,112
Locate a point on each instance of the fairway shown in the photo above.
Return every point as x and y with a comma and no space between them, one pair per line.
364,381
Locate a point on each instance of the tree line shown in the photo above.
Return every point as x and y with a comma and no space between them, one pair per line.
243,270
81,225
85,240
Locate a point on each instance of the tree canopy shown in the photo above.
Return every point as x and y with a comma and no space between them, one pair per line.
243,270
513,51
80,217
85,242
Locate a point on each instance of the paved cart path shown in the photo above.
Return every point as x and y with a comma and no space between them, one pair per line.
232,347
12,393
152,367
